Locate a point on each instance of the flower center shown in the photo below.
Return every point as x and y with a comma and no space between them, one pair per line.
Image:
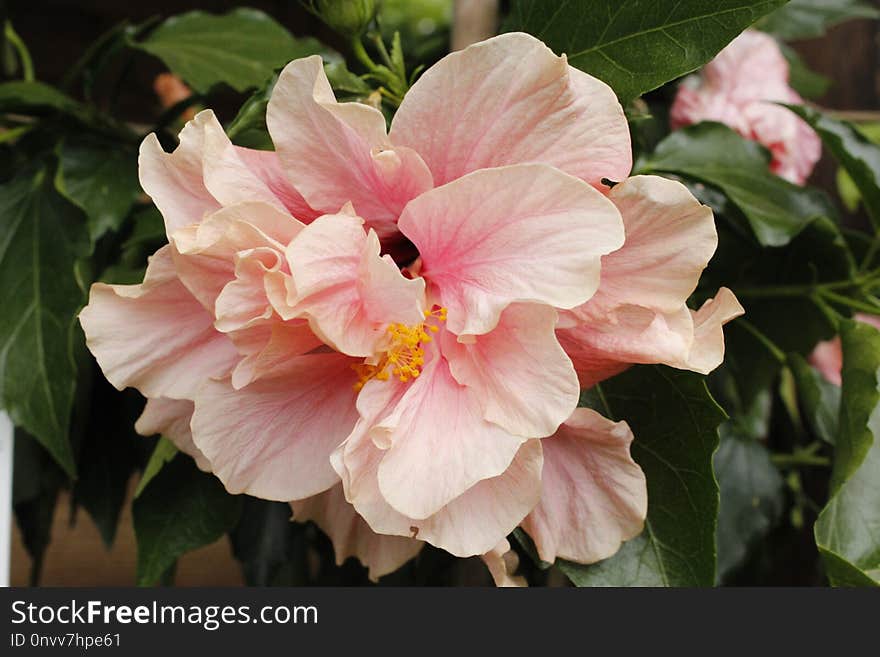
404,356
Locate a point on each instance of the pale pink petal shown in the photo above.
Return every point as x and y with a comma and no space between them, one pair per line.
155,336
170,418
205,252
268,347
593,495
352,536
348,292
827,357
509,100
273,438
233,174
526,232
243,303
438,443
523,379
502,563
471,524
670,238
707,351
335,153
174,180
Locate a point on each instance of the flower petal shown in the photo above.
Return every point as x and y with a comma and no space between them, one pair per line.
334,153
509,100
170,418
502,562
593,494
352,536
472,524
670,238
268,347
526,232
348,292
438,444
155,336
523,379
707,350
273,438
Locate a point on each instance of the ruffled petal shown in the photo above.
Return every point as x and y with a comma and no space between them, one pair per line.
170,418
509,100
526,232
335,153
472,524
593,495
348,292
352,536
670,238
273,438
524,381
438,444
502,563
155,336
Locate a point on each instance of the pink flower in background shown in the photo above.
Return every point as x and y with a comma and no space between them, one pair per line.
738,88
827,356
391,330
171,90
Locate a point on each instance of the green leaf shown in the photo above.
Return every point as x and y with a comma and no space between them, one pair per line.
776,209
263,540
848,529
41,237
675,423
344,81
819,398
181,509
241,48
99,177
164,451
804,19
853,151
23,97
249,128
637,45
750,485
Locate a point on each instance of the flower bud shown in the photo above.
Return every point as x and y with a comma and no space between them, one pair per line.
348,17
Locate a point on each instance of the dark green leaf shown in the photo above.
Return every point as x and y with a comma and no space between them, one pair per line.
110,453
241,48
848,529
263,539
41,237
853,151
675,423
637,45
181,509
249,128
344,81
35,98
751,486
776,209
819,398
101,178
803,19
37,479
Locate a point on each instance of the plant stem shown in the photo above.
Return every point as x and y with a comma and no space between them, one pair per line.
855,304
766,342
24,56
357,47
798,459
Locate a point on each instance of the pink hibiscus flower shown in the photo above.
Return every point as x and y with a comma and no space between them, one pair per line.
390,330
738,88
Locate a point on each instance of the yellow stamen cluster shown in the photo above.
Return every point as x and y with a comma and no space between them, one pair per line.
404,356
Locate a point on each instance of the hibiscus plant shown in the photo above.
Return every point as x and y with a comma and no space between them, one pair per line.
561,300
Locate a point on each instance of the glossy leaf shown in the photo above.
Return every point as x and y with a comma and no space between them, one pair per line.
99,177
848,529
163,452
855,153
819,398
241,48
675,423
36,98
41,237
637,45
776,209
804,19
181,509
